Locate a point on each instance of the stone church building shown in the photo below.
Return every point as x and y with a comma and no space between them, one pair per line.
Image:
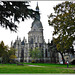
35,39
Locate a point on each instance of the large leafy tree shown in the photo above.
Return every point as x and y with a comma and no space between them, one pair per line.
11,54
35,53
3,52
63,21
12,11
3,48
6,53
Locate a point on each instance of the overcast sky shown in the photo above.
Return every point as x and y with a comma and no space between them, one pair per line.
45,7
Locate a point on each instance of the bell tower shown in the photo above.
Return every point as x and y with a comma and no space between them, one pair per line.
35,36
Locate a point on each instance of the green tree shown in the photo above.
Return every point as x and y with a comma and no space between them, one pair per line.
1,48
12,51
35,53
13,11
4,52
11,54
63,21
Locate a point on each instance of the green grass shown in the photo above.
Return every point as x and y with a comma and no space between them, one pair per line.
44,68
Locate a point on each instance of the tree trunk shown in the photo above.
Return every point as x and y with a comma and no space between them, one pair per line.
62,58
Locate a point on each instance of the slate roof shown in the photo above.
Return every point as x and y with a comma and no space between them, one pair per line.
37,23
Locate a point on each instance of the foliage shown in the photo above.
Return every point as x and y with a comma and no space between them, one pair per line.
12,51
6,53
12,11
12,57
35,53
63,21
3,48
3,52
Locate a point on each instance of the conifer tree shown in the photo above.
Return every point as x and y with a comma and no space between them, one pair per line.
12,11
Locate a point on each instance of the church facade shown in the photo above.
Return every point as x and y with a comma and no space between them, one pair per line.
35,39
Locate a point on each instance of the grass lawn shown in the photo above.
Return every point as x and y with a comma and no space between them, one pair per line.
30,68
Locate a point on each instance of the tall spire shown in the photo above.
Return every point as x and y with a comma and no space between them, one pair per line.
37,7
37,15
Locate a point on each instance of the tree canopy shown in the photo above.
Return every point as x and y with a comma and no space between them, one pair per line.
64,24
63,21
35,53
6,53
12,11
